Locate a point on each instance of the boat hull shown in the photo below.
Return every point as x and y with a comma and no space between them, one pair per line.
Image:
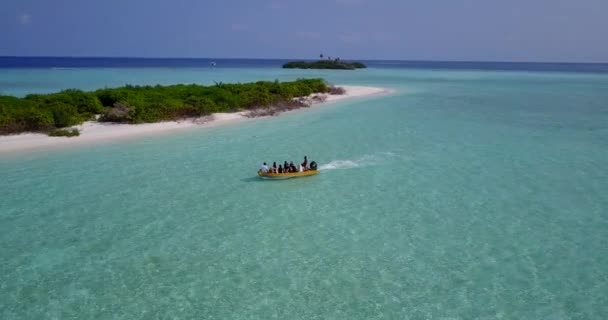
283,176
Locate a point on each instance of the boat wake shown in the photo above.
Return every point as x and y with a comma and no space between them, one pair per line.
364,161
339,164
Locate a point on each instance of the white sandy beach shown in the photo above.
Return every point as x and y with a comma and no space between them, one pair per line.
92,132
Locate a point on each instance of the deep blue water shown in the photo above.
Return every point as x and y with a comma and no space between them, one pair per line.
101,62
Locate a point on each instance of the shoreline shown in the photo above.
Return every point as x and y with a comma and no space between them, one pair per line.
93,132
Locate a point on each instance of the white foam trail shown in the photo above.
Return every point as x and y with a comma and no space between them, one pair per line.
339,164
364,161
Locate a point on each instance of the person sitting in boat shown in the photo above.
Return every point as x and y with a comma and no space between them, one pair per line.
274,167
264,168
292,167
285,167
280,169
304,165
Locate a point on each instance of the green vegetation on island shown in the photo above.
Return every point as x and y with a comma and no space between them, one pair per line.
64,133
324,64
140,104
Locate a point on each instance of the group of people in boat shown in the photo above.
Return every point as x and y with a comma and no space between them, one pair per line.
285,167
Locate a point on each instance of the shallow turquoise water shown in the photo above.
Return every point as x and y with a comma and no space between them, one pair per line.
464,195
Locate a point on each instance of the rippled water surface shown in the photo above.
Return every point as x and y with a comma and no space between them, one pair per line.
463,195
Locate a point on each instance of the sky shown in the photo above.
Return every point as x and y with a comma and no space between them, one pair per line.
453,30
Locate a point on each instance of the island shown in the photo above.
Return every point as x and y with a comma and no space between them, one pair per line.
53,113
52,121
336,64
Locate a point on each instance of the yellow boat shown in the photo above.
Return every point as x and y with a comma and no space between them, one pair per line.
288,175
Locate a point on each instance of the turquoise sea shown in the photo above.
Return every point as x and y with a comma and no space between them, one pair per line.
466,194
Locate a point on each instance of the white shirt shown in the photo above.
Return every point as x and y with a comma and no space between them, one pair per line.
264,168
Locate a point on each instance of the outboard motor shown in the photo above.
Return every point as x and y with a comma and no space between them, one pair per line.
313,166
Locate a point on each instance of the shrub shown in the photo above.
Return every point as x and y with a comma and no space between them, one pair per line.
86,103
64,133
32,119
118,113
64,115
108,97
203,105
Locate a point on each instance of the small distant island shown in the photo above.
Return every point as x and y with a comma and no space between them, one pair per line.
328,63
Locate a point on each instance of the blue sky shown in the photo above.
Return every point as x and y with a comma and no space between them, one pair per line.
480,30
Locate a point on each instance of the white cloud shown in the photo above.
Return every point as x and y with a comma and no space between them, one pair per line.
239,27
308,35
25,18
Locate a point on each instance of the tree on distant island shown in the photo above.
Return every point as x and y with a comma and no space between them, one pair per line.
328,58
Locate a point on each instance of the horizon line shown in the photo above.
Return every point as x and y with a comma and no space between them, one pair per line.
346,59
